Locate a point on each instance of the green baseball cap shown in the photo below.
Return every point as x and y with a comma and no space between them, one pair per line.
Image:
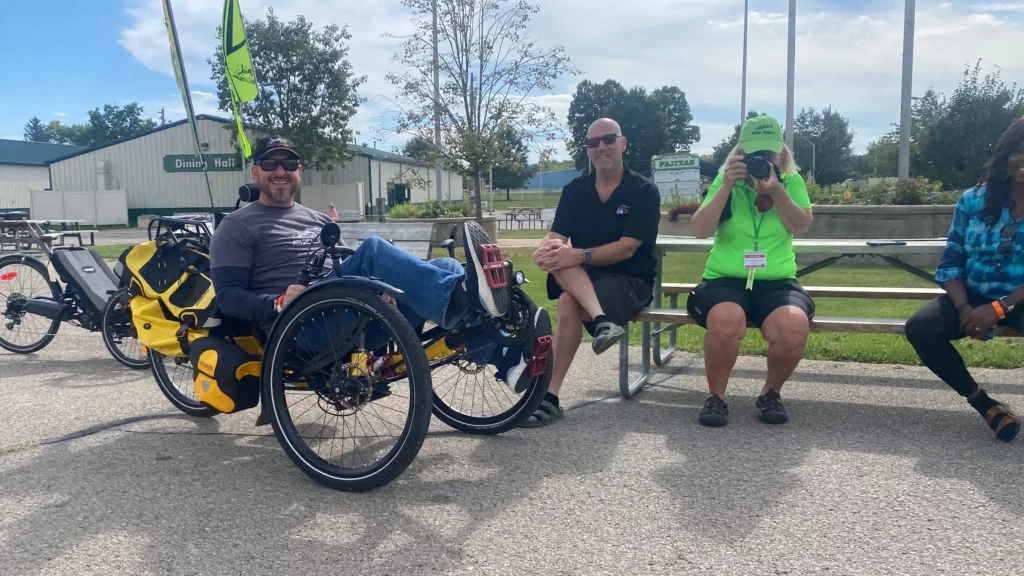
761,133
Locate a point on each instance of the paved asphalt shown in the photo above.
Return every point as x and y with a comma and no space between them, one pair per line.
881,470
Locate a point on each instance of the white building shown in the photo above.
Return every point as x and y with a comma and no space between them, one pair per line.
159,174
23,168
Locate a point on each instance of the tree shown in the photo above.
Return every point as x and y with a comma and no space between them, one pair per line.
308,92
883,154
957,136
36,131
832,153
513,167
488,68
106,125
418,148
721,151
114,123
655,123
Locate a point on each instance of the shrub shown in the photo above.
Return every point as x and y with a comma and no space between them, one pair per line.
676,211
402,211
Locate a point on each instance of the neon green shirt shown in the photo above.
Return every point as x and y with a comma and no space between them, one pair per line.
735,236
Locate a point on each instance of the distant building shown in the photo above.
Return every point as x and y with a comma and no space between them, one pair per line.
553,179
23,167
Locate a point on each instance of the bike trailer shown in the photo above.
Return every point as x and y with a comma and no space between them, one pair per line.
85,272
173,302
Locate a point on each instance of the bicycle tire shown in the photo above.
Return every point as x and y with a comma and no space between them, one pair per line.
106,327
167,385
51,332
414,431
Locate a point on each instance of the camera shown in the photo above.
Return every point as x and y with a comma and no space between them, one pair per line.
759,165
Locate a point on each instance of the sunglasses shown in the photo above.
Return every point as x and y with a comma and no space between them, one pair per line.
608,139
271,164
1008,233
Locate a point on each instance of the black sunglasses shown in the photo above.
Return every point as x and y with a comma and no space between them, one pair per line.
271,164
608,139
1008,233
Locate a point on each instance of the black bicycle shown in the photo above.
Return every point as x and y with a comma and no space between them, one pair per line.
85,293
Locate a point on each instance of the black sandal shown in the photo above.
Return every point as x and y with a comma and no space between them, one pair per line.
1003,422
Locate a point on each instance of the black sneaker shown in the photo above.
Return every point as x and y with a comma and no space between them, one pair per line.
772,410
513,367
478,246
715,412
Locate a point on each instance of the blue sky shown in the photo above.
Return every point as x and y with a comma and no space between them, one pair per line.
848,53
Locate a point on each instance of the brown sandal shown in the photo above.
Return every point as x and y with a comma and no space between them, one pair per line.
1003,422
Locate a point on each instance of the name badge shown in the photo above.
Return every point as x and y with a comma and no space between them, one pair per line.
752,259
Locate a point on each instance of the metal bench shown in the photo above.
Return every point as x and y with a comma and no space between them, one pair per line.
675,317
417,238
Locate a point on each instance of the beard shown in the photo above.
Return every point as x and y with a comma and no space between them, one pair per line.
278,193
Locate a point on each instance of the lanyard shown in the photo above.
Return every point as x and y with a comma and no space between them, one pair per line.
757,221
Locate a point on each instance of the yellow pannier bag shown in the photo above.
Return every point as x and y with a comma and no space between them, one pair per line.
227,378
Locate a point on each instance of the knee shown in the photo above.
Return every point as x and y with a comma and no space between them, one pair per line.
569,310
727,321
789,328
448,264
373,244
917,329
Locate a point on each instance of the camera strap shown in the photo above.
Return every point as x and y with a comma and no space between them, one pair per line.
754,260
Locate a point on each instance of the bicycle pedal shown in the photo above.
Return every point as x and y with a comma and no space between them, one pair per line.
541,354
494,266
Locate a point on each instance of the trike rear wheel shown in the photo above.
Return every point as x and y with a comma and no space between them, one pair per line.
174,377
22,278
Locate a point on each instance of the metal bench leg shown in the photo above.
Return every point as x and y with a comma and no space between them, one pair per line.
626,388
660,358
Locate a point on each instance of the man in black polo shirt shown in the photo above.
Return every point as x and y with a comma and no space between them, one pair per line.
605,277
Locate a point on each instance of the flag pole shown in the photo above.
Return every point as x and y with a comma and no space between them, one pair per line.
179,72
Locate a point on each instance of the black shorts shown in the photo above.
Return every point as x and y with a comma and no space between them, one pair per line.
621,297
765,297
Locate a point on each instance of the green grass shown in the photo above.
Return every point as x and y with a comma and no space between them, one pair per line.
868,348
525,234
111,251
532,200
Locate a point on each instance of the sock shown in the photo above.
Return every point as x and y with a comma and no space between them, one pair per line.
551,398
601,318
982,403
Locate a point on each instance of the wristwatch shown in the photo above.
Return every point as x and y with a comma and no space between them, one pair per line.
1005,303
588,257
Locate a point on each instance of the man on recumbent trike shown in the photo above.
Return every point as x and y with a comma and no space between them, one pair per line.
258,252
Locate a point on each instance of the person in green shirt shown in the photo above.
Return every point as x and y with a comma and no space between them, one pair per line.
753,208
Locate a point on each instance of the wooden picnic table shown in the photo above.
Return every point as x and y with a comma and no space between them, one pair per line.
533,216
23,234
888,249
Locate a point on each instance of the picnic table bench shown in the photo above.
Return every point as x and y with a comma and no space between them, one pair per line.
418,238
25,235
532,218
890,251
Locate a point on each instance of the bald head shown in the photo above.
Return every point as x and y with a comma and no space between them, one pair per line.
603,126
605,145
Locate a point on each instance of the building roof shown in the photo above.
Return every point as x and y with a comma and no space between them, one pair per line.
24,153
552,179
72,151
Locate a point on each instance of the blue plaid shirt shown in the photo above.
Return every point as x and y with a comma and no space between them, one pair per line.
971,252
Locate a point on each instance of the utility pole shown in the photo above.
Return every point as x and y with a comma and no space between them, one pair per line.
903,168
163,116
743,90
790,74
437,112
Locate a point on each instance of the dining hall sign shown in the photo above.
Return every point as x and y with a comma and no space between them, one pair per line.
192,163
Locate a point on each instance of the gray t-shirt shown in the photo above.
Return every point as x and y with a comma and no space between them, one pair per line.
272,243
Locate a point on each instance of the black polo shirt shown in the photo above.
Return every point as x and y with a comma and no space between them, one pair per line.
633,210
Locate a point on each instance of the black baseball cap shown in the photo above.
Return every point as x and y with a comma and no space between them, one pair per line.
273,144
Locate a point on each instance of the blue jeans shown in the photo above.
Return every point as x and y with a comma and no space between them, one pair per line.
427,289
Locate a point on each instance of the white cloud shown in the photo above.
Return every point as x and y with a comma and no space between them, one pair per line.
60,114
849,61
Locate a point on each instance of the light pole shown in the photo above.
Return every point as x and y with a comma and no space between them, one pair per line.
437,111
743,90
903,169
814,158
790,74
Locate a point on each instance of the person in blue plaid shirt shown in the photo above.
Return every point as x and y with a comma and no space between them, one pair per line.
982,272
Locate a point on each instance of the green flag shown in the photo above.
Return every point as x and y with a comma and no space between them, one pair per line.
186,96
237,65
